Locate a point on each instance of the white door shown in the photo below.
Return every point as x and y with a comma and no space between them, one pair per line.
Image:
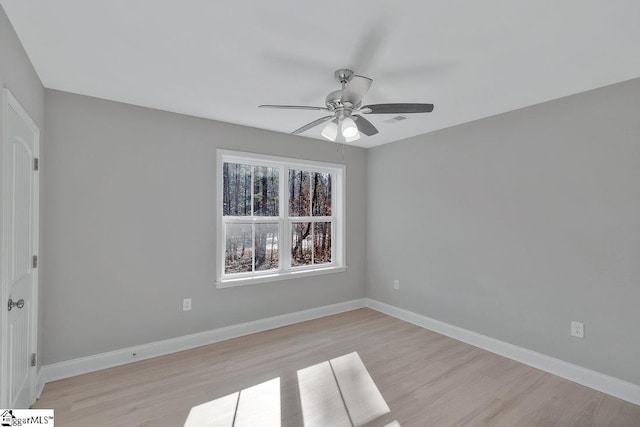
20,147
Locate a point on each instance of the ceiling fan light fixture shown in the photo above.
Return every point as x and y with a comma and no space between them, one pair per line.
352,138
349,128
330,131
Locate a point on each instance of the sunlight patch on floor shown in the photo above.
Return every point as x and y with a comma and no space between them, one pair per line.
340,392
219,412
337,393
258,405
320,397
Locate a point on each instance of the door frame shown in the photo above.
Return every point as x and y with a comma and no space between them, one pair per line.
9,101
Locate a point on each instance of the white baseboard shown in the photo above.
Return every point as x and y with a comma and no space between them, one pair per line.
39,383
123,356
592,379
595,380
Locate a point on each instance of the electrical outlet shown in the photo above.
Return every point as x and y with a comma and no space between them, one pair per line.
577,329
186,304
396,284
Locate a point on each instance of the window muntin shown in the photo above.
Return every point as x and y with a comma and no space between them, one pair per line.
278,216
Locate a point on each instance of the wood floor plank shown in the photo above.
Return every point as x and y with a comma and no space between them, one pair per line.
216,413
322,404
259,405
425,379
361,396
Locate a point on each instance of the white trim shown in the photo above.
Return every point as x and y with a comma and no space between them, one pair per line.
592,379
285,270
252,280
10,102
40,382
110,359
257,159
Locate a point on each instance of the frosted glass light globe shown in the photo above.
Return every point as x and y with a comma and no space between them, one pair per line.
330,131
349,128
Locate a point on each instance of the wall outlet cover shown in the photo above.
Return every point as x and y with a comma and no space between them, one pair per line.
577,329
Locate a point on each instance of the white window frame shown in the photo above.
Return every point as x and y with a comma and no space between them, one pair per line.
285,271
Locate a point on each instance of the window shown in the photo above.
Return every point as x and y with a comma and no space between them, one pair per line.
278,218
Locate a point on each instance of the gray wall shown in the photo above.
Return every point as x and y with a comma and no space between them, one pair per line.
514,225
17,75
130,227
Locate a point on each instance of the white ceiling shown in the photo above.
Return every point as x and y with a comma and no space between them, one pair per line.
220,60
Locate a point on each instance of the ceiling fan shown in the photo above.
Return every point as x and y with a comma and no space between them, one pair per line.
345,106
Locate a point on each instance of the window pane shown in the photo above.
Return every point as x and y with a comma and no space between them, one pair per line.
299,188
267,247
321,242
236,189
238,254
301,244
265,191
321,194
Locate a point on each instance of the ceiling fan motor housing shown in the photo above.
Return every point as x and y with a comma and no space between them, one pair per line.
334,102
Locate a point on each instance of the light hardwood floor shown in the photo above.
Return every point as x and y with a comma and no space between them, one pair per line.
426,379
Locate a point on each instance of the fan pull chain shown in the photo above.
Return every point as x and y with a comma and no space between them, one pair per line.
338,146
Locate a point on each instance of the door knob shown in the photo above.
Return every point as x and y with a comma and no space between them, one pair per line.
11,304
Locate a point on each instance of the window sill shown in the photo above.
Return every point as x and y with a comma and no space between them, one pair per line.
230,283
